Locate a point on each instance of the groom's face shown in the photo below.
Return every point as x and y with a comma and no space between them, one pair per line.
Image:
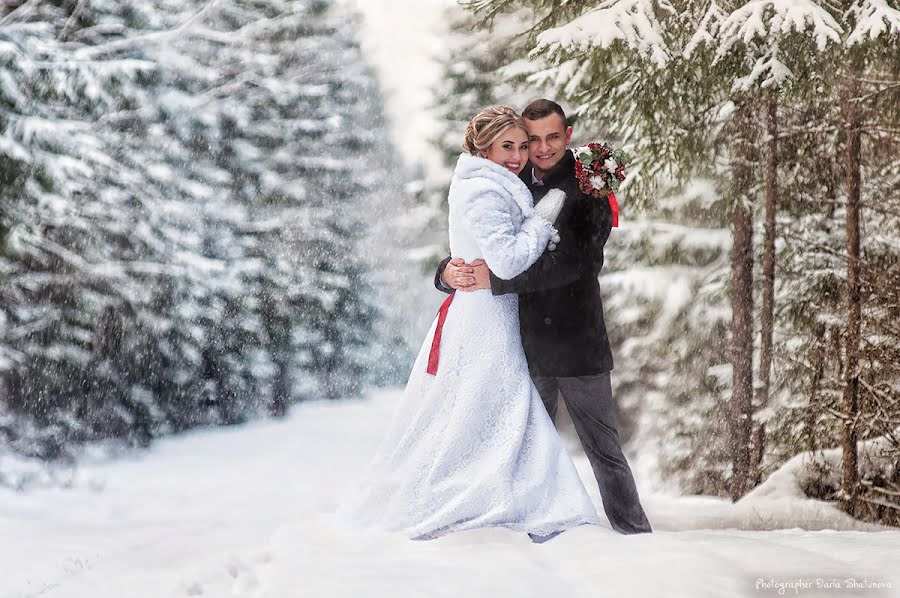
547,140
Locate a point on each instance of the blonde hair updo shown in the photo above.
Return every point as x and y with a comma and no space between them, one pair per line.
485,127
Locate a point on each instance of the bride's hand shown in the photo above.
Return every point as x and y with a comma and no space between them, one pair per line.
549,207
465,277
482,275
458,275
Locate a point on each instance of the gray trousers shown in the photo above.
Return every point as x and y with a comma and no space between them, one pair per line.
590,404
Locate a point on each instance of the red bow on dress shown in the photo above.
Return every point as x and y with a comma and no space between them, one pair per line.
436,342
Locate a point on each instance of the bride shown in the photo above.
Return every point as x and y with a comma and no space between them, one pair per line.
471,444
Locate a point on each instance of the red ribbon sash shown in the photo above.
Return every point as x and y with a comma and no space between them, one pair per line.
614,206
436,342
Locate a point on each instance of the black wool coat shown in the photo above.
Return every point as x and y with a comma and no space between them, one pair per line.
560,309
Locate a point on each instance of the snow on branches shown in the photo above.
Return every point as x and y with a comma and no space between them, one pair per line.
758,29
769,20
631,22
871,19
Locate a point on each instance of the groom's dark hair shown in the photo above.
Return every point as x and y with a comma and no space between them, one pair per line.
539,109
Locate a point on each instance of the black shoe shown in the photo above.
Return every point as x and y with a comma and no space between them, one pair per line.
541,539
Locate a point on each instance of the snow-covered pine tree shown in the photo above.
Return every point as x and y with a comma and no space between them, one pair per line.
177,249
69,217
770,47
289,133
809,377
870,82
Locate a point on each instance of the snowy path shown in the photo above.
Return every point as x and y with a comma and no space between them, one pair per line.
238,512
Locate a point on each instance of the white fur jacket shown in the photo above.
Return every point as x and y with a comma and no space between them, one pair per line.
492,216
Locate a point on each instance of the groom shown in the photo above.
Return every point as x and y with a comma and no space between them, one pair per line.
561,314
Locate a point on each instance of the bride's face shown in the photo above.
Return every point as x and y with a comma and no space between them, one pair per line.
510,150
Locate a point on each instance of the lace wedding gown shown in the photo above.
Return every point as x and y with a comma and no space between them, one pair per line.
473,445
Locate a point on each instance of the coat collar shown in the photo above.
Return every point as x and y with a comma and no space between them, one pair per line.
557,175
471,168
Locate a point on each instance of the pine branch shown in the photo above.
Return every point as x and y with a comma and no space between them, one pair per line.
67,29
879,393
120,115
23,10
880,503
867,80
861,99
789,132
869,484
870,127
156,36
30,328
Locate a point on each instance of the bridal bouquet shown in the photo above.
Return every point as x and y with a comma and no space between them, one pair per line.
600,170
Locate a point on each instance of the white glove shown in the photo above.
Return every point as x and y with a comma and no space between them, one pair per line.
549,207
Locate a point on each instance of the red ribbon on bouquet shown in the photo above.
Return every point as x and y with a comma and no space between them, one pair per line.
436,342
614,206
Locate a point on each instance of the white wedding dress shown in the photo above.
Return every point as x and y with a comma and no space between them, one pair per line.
473,445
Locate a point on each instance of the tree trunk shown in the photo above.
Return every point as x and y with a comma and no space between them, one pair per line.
280,391
742,305
279,346
813,409
849,461
80,9
767,318
7,6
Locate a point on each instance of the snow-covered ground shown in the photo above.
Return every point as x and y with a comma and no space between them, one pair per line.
243,511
